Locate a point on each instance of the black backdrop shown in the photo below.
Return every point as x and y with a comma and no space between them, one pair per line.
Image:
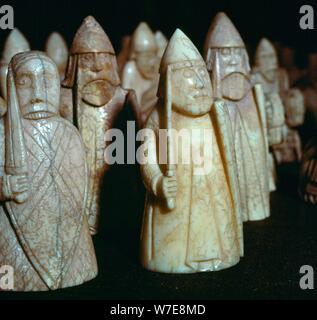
278,20
275,248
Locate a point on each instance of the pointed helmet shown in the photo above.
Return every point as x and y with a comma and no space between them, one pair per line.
15,43
180,52
223,34
56,48
90,37
143,40
265,47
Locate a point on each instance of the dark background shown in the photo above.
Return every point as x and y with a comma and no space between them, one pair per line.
276,19
275,249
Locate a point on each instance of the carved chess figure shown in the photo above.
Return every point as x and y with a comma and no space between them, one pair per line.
92,79
15,43
141,72
192,218
266,72
44,230
228,65
308,173
56,49
291,149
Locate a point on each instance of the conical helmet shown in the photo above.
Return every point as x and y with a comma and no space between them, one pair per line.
56,48
15,43
90,37
143,40
223,34
265,47
180,51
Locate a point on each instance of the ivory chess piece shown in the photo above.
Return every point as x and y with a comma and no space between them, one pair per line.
56,49
266,72
140,73
291,149
228,65
44,231
15,43
192,218
92,79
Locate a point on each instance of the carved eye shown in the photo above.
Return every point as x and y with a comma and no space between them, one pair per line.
225,51
188,73
237,51
24,81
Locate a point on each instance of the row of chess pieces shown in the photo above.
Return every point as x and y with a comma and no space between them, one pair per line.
193,222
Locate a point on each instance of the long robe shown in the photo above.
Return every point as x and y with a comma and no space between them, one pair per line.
251,151
46,239
92,123
204,230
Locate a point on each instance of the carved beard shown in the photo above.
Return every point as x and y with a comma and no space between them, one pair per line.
97,93
235,86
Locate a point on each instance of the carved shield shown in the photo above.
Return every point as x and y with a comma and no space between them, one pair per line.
49,223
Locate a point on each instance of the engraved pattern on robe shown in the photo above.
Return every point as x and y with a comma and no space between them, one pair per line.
46,239
203,232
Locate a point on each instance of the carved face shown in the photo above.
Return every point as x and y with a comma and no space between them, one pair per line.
191,90
38,87
233,71
98,77
268,65
147,63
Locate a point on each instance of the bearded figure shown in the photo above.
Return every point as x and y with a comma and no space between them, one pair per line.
227,63
96,99
140,73
44,230
267,73
192,218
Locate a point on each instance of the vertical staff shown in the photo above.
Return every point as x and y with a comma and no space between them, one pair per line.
170,203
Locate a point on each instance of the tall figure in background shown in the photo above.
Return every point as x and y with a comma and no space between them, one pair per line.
266,73
192,220
15,43
44,232
56,49
92,80
228,65
140,73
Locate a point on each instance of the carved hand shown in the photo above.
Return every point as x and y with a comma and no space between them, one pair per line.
167,187
17,187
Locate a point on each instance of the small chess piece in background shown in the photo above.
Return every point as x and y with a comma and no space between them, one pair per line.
15,43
